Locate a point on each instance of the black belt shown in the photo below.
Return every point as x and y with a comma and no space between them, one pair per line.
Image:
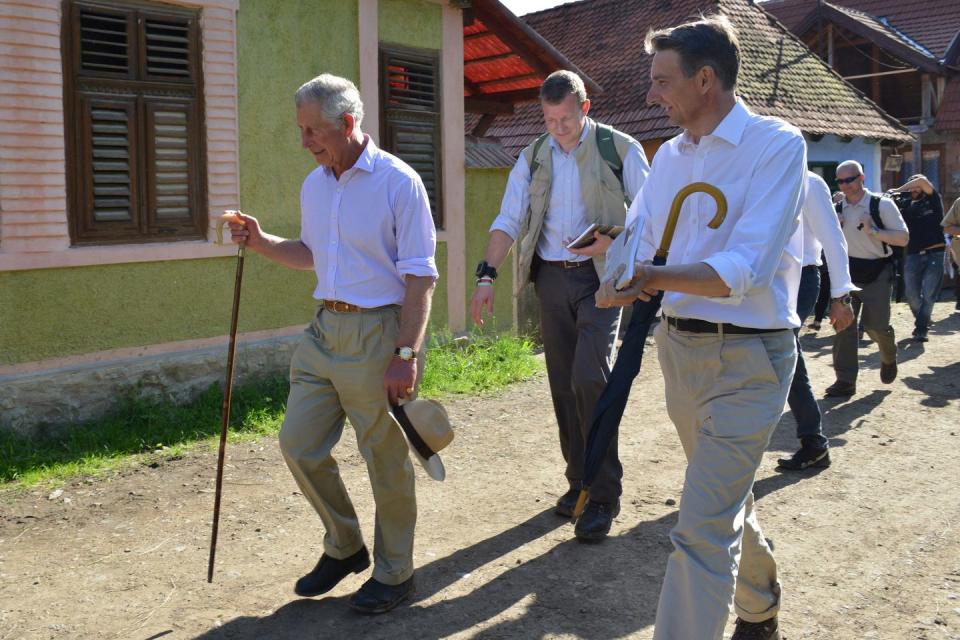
702,326
939,247
568,264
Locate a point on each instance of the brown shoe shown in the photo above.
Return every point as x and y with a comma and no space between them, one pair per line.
888,372
766,630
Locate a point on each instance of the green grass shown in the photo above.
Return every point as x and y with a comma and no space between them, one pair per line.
139,431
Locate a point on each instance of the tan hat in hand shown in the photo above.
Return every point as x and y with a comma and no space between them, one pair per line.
427,427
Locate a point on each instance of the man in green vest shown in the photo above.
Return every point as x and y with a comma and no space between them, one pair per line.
577,174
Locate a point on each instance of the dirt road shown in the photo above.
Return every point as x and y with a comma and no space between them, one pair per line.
868,548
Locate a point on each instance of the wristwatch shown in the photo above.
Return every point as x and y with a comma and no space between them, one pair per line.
484,269
405,353
844,299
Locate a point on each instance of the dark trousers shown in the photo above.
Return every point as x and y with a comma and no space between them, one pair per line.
802,403
578,341
823,300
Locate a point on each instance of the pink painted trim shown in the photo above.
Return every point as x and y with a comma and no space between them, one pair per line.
120,254
454,189
115,355
368,31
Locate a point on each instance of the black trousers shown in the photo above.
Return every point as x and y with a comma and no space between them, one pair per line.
578,341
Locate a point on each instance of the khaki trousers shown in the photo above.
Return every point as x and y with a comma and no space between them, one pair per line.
337,373
725,395
874,299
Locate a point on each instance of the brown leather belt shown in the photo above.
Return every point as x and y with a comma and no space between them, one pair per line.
341,307
568,264
693,325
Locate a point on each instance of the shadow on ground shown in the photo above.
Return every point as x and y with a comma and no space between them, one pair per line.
559,592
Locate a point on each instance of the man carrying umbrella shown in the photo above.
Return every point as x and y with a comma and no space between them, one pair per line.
367,232
561,183
725,344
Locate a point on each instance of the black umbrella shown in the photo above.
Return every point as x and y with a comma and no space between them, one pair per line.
608,411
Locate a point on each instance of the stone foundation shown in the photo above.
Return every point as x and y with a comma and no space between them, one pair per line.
44,400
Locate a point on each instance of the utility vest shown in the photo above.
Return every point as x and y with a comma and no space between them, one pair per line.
600,186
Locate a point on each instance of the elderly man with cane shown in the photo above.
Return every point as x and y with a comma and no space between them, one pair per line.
367,232
725,344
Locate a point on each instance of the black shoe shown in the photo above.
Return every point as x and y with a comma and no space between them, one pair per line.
920,336
888,372
376,597
329,572
815,325
840,390
766,630
807,457
594,524
566,503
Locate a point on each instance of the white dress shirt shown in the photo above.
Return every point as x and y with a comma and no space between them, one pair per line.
567,215
821,232
861,245
759,163
368,229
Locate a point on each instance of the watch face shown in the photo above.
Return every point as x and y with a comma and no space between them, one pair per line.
405,353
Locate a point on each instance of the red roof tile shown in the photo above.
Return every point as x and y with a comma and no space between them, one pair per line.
779,75
932,24
948,118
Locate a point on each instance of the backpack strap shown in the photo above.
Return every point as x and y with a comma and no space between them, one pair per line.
534,163
875,214
608,151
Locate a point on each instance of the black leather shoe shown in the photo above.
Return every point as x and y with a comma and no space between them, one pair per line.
805,458
594,524
566,503
840,390
329,572
376,597
888,372
766,630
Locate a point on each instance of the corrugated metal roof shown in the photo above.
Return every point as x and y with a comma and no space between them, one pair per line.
486,154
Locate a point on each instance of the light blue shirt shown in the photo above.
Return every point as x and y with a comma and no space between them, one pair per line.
368,229
567,215
759,163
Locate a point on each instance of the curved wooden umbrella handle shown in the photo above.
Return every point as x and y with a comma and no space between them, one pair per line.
683,194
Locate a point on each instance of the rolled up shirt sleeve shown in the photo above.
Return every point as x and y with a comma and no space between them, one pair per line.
416,234
771,214
635,170
823,221
516,199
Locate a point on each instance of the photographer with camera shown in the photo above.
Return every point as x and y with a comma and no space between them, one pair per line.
922,209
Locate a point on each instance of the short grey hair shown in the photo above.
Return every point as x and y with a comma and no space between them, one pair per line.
850,164
336,97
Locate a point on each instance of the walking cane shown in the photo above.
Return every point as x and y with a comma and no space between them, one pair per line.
609,407
228,216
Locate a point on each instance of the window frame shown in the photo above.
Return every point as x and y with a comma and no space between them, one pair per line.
145,92
415,116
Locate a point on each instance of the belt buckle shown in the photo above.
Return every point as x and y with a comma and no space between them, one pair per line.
569,264
341,307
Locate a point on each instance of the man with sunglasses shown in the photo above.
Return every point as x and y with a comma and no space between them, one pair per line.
872,225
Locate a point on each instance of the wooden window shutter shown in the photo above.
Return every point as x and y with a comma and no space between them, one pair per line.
410,116
136,152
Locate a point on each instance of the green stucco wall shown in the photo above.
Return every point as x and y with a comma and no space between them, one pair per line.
51,313
484,190
412,23
439,313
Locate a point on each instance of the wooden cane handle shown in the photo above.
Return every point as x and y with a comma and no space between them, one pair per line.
225,217
683,194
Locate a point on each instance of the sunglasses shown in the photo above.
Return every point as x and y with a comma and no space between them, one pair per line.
847,180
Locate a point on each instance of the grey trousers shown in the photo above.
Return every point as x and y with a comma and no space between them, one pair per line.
337,373
725,395
874,299
578,341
